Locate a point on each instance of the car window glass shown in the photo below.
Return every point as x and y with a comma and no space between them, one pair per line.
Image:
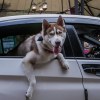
89,36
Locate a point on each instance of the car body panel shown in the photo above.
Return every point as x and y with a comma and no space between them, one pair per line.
51,17
52,82
91,81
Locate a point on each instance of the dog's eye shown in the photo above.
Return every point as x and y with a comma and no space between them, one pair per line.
59,32
51,34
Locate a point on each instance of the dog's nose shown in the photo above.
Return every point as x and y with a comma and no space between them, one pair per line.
57,43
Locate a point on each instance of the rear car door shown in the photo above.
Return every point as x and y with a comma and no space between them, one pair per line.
88,36
52,82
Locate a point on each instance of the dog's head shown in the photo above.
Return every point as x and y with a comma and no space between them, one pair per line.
54,34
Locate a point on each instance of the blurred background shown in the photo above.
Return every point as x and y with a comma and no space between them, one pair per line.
78,7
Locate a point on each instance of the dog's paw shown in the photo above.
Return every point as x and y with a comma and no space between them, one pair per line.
28,96
65,66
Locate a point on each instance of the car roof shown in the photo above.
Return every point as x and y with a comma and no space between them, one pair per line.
46,16
38,18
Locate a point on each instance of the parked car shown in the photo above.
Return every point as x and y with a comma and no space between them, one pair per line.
81,51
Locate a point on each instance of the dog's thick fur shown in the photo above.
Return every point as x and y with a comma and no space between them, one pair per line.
42,51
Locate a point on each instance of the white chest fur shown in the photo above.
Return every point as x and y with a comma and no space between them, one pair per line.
44,58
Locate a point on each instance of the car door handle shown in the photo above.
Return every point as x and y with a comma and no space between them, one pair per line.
92,68
86,94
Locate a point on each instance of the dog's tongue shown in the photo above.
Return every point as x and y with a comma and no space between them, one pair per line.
56,50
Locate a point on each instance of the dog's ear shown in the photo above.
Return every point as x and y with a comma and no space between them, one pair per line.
45,25
60,21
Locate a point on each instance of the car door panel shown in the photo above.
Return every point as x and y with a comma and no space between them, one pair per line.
89,63
52,82
90,80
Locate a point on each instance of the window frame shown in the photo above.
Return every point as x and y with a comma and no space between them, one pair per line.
12,23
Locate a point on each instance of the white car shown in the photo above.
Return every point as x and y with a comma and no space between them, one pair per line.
81,51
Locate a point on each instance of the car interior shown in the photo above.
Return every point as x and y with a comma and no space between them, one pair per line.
89,36
13,35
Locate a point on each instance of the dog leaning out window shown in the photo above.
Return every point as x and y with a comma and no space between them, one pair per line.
41,47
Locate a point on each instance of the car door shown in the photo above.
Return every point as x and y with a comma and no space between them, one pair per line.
52,82
89,40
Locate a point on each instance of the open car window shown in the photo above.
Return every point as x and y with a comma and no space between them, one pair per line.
12,36
89,36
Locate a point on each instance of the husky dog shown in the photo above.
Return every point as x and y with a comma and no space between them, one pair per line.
40,51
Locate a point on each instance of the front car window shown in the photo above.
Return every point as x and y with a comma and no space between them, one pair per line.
89,36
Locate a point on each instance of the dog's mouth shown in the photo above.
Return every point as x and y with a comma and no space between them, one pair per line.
57,49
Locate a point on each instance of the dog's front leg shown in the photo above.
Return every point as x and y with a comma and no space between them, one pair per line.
29,72
61,59
30,90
